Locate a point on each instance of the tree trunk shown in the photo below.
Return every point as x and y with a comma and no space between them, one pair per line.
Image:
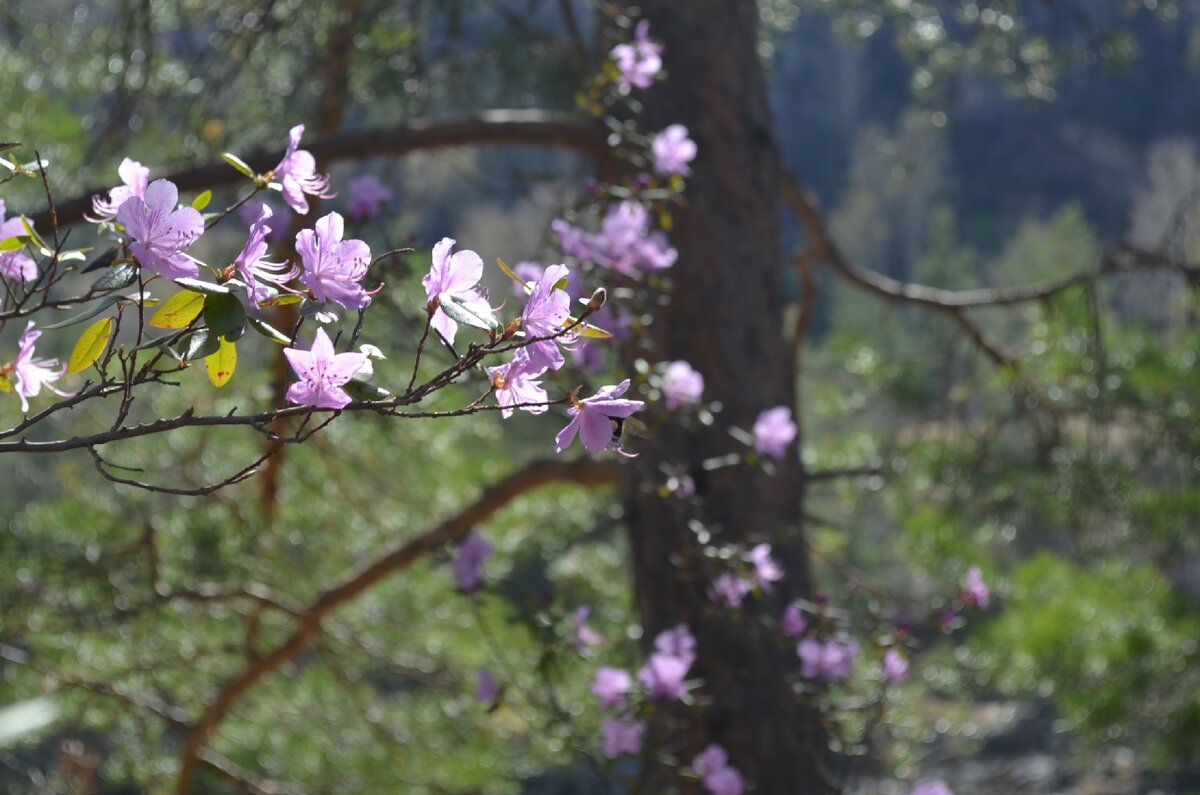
726,319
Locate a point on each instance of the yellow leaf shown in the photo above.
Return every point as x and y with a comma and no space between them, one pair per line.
90,345
178,310
220,365
5,384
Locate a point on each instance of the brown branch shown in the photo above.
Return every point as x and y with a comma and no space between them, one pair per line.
489,128
534,475
808,299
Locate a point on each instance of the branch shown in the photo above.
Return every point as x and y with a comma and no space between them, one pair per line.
534,475
489,128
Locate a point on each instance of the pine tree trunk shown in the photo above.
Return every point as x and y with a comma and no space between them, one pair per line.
726,319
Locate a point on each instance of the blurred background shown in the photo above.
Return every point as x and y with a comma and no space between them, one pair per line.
960,145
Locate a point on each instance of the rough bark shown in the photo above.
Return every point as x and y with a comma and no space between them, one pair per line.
725,318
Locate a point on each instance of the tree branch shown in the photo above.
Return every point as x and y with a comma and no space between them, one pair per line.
489,128
534,475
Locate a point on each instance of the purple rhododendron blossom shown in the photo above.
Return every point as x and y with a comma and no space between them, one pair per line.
766,570
162,230
793,622
515,384
592,417
621,736
974,589
545,313
677,642
681,385
15,265
715,773
894,666
639,60
673,150
485,687
367,196
829,661
334,267
663,676
251,212
584,637
456,276
322,373
625,242
933,787
134,177
29,375
297,174
774,431
252,267
729,589
468,561
612,685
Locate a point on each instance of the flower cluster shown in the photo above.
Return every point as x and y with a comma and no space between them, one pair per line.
15,265
718,777
638,61
625,242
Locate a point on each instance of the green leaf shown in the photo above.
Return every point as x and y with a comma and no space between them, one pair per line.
197,286
589,331
37,240
225,315
201,345
6,145
116,278
90,345
178,311
361,390
220,365
467,315
201,201
96,309
13,243
238,164
509,273
268,331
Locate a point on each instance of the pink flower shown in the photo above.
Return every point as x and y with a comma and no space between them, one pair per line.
297,173
930,788
584,636
15,265
592,418
681,385
793,622
729,589
514,384
334,267
717,776
774,431
830,660
663,676
322,373
766,570
28,374
612,685
625,242
367,196
622,736
677,642
251,213
468,562
974,589
455,276
134,177
639,60
673,150
545,312
161,230
252,267
485,687
895,667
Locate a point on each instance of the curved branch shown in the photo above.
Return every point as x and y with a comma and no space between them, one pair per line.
584,472
489,128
